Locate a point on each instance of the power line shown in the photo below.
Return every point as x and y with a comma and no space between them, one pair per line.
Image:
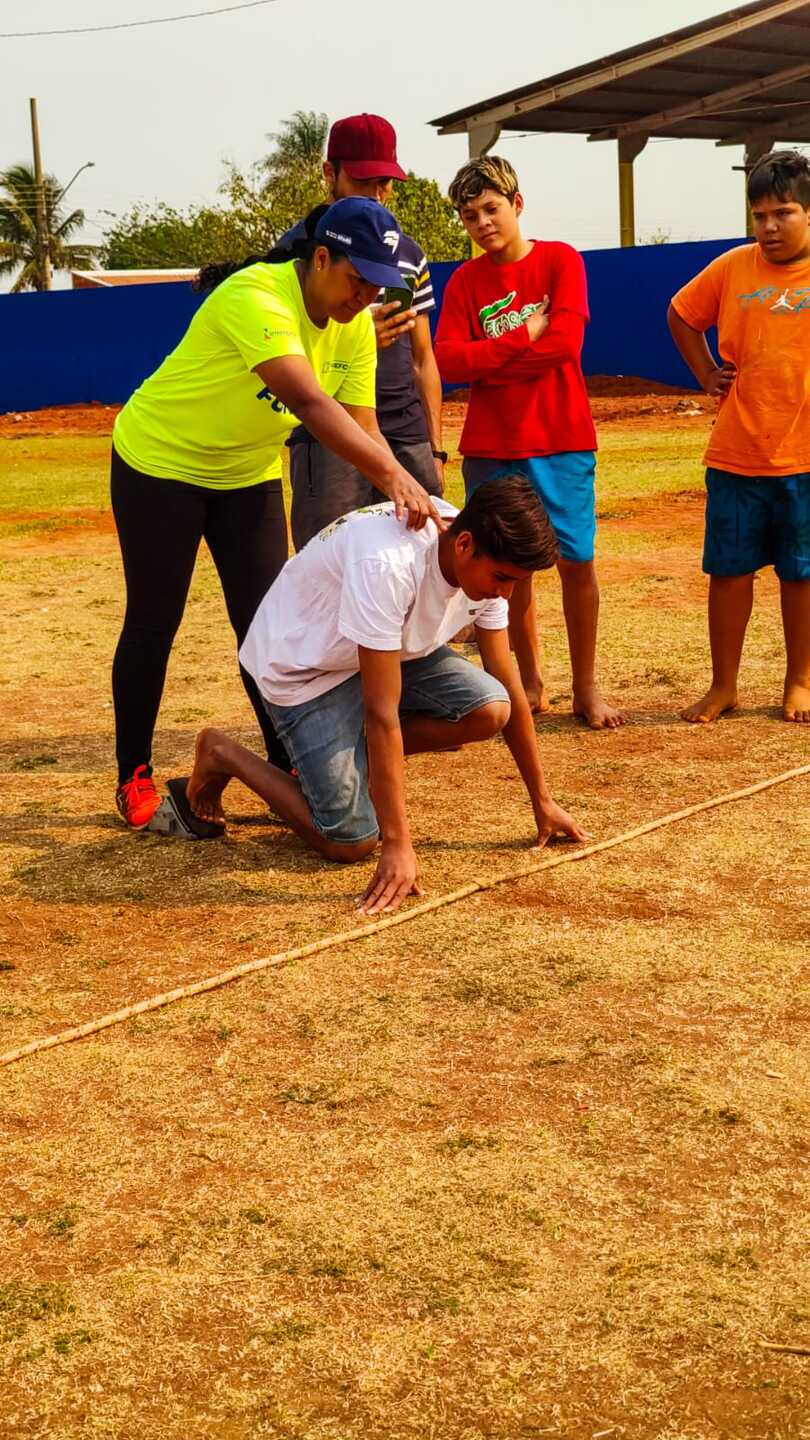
24,190
135,24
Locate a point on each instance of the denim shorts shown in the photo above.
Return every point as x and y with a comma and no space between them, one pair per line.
757,520
565,485
325,737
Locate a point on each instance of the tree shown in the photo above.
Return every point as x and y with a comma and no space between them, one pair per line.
426,215
287,182
298,145
19,244
255,213
259,204
160,237
271,206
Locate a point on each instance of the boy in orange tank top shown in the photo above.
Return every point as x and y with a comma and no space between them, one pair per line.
758,457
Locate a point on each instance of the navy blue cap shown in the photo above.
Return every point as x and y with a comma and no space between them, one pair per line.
369,236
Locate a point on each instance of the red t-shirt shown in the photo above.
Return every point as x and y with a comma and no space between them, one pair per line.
526,398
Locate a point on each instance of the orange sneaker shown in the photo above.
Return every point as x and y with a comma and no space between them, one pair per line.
137,799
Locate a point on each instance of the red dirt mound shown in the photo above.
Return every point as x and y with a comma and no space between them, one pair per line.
60,420
613,397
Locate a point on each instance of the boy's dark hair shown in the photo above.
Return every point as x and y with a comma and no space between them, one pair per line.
487,172
508,522
783,173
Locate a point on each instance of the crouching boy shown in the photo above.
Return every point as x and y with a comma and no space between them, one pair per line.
349,652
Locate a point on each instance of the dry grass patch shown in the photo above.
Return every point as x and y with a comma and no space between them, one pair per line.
533,1165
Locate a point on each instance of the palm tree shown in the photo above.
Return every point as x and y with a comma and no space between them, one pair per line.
298,145
18,229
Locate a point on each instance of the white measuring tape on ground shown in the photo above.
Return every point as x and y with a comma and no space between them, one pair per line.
404,917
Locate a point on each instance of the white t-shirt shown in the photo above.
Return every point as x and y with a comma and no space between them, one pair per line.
364,580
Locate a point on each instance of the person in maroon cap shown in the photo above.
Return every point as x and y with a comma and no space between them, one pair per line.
361,160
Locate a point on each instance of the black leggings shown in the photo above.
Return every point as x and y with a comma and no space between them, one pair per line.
160,525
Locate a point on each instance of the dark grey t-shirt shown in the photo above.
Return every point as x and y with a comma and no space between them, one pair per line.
399,408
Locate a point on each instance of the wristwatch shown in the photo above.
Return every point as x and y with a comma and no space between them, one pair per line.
440,455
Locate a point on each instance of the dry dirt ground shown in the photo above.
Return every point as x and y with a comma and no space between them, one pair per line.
535,1165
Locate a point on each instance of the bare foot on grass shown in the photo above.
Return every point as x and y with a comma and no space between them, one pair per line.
592,707
716,702
796,703
206,783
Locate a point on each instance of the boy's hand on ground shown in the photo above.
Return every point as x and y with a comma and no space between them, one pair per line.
537,324
410,498
720,380
391,321
396,877
553,820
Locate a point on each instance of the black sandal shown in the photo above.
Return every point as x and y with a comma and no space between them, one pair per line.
175,816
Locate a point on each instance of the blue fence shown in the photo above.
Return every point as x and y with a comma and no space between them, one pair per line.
630,291
76,346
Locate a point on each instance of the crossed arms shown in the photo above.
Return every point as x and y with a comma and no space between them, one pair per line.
540,343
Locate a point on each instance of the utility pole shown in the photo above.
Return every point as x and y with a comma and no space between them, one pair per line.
41,215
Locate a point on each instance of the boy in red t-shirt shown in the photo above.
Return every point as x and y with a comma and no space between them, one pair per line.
511,326
758,457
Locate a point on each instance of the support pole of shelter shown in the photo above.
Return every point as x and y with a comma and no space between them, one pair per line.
480,140
630,147
756,146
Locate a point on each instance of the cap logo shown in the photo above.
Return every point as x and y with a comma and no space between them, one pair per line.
391,237
336,235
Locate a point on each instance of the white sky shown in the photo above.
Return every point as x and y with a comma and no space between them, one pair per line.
158,109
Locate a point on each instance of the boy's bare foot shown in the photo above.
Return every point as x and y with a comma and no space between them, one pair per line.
716,702
537,696
206,783
592,707
796,704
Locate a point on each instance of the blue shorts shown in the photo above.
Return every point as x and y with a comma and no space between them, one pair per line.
757,520
325,737
565,485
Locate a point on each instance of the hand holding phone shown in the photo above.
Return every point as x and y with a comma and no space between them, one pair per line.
401,293
394,315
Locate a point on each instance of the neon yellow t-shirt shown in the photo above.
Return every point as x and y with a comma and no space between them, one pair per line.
205,417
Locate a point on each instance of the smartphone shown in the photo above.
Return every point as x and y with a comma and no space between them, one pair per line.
403,293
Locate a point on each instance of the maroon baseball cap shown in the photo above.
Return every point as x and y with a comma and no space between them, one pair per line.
366,146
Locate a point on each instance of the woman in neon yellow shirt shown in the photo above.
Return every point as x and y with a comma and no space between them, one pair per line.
197,452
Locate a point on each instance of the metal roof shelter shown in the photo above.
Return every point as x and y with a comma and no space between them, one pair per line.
740,78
